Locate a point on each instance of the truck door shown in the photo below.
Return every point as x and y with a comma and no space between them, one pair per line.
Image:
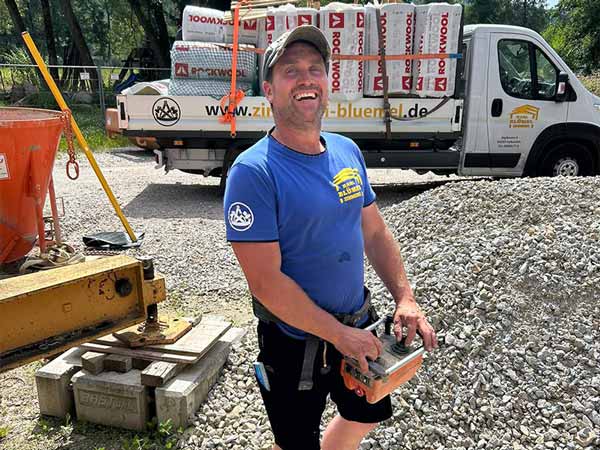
521,87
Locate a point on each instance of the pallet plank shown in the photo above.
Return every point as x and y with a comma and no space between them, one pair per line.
140,353
159,372
195,342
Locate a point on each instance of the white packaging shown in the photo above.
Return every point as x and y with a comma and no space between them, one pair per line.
437,31
397,23
207,60
207,25
307,16
160,87
343,26
248,31
203,24
278,21
211,88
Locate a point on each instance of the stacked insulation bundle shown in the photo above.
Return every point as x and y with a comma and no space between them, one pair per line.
278,21
344,27
207,25
200,66
397,25
437,30
205,68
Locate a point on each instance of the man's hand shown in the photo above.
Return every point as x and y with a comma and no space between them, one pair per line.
360,345
409,315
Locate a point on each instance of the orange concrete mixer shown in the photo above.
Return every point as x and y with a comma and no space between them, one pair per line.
29,140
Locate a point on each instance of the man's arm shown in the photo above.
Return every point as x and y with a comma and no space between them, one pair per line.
384,255
282,296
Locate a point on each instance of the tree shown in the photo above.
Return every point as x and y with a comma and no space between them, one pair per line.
50,41
152,19
574,32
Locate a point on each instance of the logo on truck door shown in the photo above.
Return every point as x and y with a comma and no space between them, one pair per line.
166,111
524,116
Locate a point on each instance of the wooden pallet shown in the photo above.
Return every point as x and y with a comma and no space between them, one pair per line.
168,360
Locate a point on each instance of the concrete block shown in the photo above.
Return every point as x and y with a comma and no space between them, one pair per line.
93,362
180,398
111,398
53,383
118,363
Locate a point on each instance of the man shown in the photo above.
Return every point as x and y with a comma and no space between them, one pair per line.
300,212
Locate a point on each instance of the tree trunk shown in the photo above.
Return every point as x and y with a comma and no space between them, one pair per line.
50,42
15,15
162,59
163,33
19,25
77,36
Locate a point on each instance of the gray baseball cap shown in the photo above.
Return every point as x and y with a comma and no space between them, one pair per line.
307,33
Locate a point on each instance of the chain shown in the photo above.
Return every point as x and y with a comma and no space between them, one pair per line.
68,130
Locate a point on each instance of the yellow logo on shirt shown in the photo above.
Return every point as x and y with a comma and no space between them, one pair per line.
348,184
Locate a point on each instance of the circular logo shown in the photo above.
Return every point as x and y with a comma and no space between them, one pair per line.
240,216
166,111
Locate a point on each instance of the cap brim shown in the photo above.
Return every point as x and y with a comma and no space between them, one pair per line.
307,33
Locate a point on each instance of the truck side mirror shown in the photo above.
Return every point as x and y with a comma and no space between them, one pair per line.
561,87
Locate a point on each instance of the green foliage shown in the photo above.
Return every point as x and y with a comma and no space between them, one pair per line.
3,432
527,13
574,33
160,437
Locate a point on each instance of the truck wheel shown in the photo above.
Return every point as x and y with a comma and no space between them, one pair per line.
570,160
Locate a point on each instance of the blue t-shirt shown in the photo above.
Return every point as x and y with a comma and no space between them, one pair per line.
311,205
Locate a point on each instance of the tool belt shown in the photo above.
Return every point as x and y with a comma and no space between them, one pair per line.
312,342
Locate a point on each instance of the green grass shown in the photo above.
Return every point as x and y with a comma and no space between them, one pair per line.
91,124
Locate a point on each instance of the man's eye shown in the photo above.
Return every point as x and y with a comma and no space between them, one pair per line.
290,71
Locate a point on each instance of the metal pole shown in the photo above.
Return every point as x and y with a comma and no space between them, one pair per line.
82,142
101,92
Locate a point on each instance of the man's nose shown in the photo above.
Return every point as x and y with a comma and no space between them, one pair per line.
304,76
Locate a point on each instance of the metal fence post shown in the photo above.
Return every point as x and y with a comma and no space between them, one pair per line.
101,91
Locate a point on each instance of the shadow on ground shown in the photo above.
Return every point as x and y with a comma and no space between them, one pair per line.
177,201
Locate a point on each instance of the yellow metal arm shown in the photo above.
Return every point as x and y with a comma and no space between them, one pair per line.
82,142
45,313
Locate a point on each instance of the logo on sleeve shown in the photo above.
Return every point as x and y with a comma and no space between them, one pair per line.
240,216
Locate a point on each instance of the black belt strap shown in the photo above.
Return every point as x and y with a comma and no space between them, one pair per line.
312,342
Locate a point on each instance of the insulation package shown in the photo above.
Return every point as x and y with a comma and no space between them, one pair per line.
205,68
278,21
397,25
437,30
344,27
211,88
207,60
207,25
307,16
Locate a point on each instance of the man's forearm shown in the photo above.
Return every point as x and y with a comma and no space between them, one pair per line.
384,255
287,300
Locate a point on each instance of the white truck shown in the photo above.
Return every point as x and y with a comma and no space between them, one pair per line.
517,110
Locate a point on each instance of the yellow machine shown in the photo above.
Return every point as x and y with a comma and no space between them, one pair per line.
45,313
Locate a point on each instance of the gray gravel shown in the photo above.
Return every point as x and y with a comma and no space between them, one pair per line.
507,271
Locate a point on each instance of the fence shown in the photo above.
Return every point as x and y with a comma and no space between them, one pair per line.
87,89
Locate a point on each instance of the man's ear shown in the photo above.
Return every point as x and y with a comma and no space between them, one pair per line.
268,90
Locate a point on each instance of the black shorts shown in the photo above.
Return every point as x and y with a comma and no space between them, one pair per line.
295,416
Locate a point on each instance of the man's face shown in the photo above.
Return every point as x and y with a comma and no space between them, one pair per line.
298,91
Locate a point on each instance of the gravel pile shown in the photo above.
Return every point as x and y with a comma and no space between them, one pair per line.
507,272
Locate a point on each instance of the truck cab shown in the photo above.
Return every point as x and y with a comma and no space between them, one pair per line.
526,113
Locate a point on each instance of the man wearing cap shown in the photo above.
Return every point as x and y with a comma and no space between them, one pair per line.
300,214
